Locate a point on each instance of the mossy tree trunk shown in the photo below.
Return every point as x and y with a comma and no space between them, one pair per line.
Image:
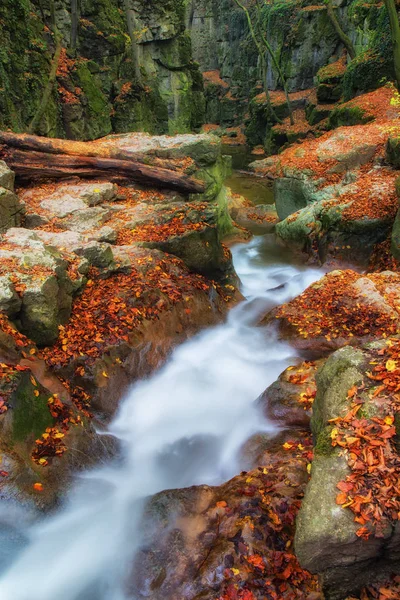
261,49
395,31
74,26
348,44
131,22
41,109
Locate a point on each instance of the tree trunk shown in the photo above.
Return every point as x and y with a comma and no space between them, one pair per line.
340,33
395,31
131,22
74,26
41,109
29,164
261,54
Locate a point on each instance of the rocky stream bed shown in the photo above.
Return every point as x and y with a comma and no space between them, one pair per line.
188,410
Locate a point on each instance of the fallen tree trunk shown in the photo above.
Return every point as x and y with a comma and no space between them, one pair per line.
30,164
102,148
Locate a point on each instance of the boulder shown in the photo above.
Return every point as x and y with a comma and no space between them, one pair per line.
288,401
348,544
11,208
213,542
41,278
7,177
344,307
339,221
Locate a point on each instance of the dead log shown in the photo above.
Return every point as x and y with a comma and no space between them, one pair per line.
101,148
29,164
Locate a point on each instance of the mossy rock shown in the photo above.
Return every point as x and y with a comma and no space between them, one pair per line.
393,152
373,65
329,92
348,115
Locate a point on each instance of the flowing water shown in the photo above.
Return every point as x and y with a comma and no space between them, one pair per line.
182,426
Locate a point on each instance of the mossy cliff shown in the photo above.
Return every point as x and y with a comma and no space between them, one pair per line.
119,79
303,39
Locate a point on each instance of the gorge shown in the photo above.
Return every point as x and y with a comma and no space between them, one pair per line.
199,300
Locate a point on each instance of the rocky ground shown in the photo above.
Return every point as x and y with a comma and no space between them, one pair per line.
98,281
325,491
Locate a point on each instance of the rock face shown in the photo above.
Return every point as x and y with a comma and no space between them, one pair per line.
304,40
11,209
333,539
103,89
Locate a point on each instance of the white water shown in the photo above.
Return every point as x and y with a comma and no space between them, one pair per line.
183,426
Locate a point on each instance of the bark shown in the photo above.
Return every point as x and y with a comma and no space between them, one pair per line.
29,164
259,45
395,32
48,90
131,22
102,148
74,26
348,44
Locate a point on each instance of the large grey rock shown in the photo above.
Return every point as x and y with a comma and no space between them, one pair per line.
326,540
10,302
7,177
11,209
62,207
97,254
42,273
87,219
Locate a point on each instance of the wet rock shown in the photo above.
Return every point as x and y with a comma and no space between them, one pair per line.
202,542
288,401
7,177
328,539
344,307
10,302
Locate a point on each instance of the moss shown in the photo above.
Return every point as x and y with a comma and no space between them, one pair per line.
393,155
31,415
97,121
375,64
348,115
323,445
25,55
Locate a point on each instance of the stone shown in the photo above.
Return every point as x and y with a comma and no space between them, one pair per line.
97,254
63,206
7,177
87,219
288,401
105,234
11,209
10,302
326,542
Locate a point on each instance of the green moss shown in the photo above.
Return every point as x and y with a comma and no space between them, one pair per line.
348,115
25,54
323,445
96,108
393,155
375,64
31,415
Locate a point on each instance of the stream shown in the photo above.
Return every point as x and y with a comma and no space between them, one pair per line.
182,426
